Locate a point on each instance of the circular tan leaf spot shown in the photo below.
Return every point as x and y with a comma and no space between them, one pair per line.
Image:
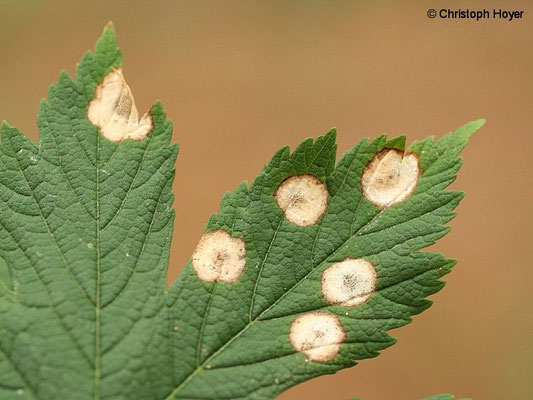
390,177
350,282
317,335
303,199
219,257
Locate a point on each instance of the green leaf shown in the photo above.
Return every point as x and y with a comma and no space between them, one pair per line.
444,397
434,397
85,227
85,230
233,339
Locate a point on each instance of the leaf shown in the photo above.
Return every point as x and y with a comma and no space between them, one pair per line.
434,397
233,339
85,227
444,397
85,230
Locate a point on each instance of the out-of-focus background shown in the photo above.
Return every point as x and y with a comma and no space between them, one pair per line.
242,78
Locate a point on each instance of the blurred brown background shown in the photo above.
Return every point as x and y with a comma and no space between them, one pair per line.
242,78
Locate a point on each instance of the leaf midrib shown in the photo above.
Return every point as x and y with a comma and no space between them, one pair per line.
97,334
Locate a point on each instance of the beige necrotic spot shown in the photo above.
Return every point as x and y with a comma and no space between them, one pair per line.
303,199
317,335
219,257
113,110
350,282
390,177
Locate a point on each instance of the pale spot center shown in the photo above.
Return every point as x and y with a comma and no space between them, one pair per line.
390,177
317,335
113,110
219,257
303,199
350,282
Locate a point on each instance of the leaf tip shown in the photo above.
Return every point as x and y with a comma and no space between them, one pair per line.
109,29
469,129
106,48
397,143
446,268
6,130
480,122
332,133
109,35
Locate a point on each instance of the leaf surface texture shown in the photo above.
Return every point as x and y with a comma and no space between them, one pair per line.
85,230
